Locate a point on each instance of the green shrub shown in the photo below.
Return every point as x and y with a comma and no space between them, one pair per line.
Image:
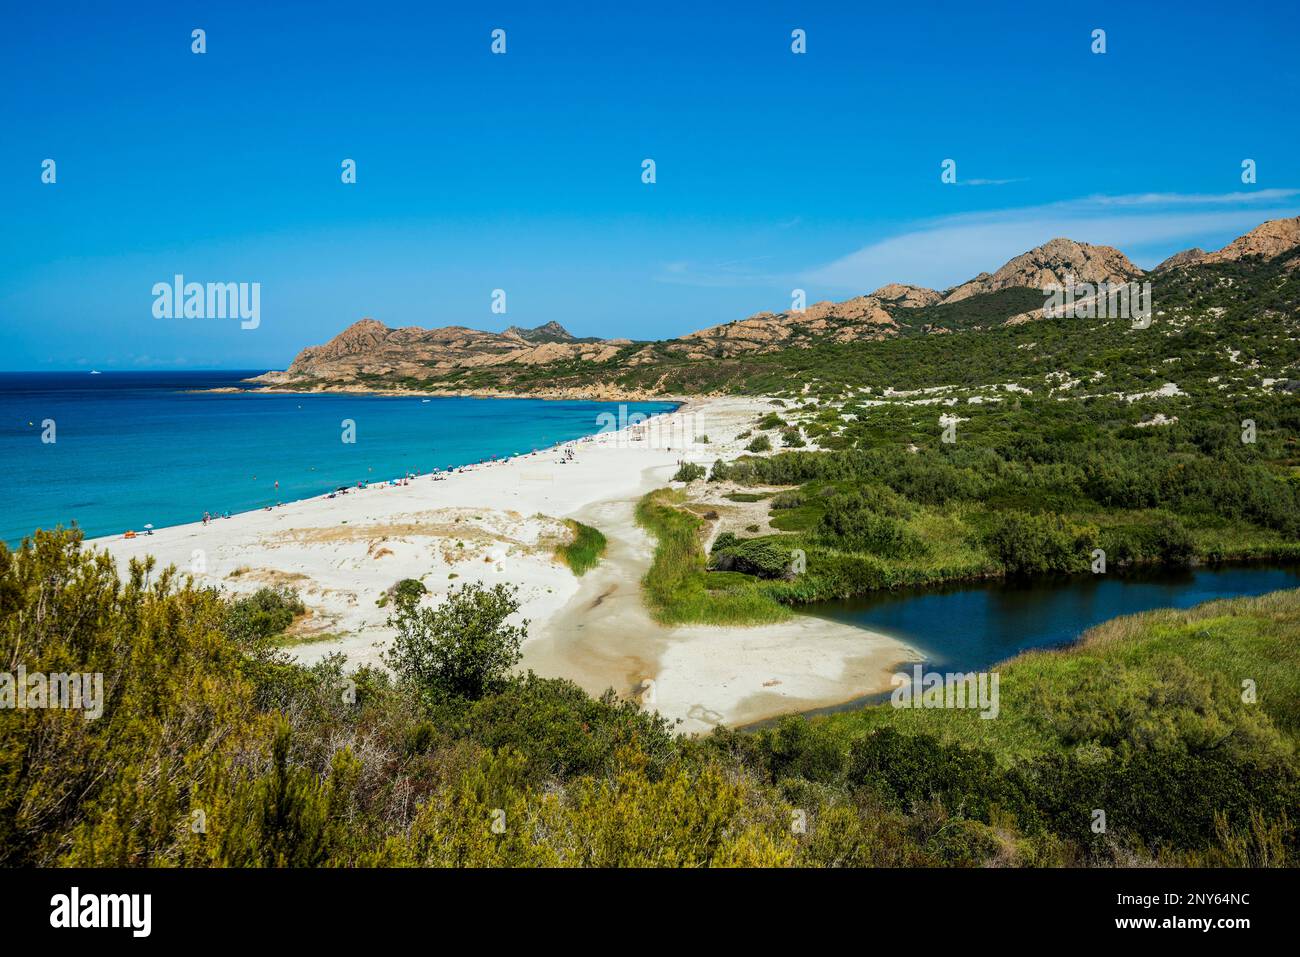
789,499
463,648
689,472
760,443
1029,544
1173,542
264,614
761,557
910,769
676,588
849,523
794,749
724,540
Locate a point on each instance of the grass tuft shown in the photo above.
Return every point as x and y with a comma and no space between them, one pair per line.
584,552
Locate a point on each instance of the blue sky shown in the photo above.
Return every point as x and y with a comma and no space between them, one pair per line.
523,171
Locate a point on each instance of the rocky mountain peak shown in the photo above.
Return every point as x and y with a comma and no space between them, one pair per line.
1184,258
549,332
1270,239
1052,263
362,336
902,294
1273,238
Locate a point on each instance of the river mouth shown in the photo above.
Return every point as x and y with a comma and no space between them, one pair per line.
974,626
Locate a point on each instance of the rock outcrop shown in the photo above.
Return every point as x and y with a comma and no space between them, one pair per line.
368,347
1270,239
854,319
911,297
1185,258
1053,263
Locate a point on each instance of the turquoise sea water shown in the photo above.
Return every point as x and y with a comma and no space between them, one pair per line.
137,447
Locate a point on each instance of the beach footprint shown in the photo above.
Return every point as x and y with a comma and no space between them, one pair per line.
700,713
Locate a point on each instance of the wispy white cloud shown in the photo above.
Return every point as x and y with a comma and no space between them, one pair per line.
1189,199
736,272
1147,226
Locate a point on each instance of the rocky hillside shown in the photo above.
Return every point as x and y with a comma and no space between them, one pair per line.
1268,240
862,318
1051,264
1186,257
456,358
550,332
368,349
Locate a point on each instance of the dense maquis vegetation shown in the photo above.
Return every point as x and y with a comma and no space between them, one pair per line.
1025,491
1032,449
1031,488
212,749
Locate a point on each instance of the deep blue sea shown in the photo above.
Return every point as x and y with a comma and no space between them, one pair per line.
137,447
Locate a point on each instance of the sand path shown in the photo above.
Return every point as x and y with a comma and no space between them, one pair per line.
699,675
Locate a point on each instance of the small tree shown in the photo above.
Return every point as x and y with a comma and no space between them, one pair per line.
463,648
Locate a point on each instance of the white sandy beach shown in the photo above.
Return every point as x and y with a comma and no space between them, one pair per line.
500,522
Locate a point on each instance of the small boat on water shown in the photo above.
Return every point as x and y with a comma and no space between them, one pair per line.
94,372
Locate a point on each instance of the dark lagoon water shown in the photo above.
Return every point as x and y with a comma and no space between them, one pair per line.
137,447
971,627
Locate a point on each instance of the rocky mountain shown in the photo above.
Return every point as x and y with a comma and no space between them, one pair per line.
910,297
1268,239
1051,264
368,348
550,332
1186,257
452,356
862,318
